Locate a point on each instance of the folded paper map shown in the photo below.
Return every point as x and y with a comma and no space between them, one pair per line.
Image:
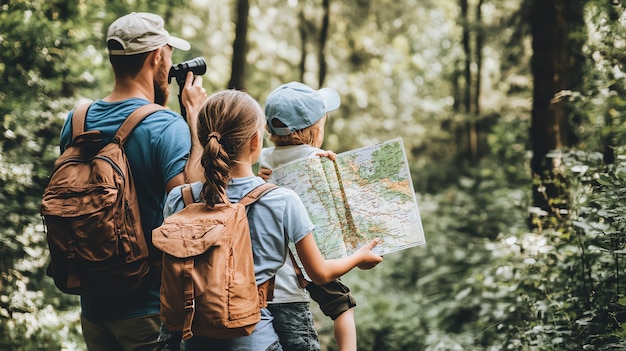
364,194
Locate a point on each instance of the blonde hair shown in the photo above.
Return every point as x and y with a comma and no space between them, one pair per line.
226,123
304,136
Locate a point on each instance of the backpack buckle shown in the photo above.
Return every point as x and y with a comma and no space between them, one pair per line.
190,304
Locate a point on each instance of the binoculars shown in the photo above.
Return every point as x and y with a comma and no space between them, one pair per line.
179,71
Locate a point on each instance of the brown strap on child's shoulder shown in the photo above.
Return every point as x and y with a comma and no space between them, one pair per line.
187,194
257,193
248,199
301,279
266,291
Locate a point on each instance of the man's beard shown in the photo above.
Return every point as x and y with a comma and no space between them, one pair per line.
161,87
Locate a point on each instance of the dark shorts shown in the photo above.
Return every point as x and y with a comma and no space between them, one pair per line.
334,298
293,323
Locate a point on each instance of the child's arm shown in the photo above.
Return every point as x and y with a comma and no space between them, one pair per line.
265,173
327,153
323,271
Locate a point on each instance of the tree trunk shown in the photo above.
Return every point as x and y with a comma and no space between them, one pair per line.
479,57
322,42
303,38
240,48
556,68
468,102
475,124
456,86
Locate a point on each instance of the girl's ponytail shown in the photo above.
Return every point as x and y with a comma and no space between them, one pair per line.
227,121
215,161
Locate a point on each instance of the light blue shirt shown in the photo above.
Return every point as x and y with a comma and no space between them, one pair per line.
276,219
286,288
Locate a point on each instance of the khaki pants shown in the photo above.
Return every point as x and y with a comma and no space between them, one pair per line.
134,334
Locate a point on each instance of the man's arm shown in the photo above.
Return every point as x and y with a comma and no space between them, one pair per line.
174,182
193,97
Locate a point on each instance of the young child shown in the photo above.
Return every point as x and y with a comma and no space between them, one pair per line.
296,115
230,130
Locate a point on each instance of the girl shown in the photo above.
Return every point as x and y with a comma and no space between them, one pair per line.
230,130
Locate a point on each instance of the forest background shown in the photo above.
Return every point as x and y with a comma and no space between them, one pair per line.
512,115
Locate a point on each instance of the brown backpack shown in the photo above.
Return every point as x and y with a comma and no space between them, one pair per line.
208,285
90,209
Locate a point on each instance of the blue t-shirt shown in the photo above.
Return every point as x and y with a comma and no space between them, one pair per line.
157,151
276,219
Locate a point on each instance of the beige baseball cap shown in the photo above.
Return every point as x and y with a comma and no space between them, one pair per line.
140,32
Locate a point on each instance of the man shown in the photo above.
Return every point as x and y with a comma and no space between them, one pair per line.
140,52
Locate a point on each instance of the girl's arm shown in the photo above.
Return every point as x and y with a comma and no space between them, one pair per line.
323,271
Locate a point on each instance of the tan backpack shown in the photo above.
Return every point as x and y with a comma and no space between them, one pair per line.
208,285
91,214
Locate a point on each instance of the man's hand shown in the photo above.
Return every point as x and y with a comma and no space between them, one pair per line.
193,97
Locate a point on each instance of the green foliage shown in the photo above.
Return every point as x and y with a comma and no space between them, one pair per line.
38,40
600,102
565,282
482,281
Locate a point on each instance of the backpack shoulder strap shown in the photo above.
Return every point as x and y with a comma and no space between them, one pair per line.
78,119
133,120
251,197
187,194
301,279
257,193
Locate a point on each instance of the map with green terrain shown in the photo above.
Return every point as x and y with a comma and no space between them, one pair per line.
364,194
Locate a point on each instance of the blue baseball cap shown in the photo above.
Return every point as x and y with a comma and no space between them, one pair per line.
298,106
